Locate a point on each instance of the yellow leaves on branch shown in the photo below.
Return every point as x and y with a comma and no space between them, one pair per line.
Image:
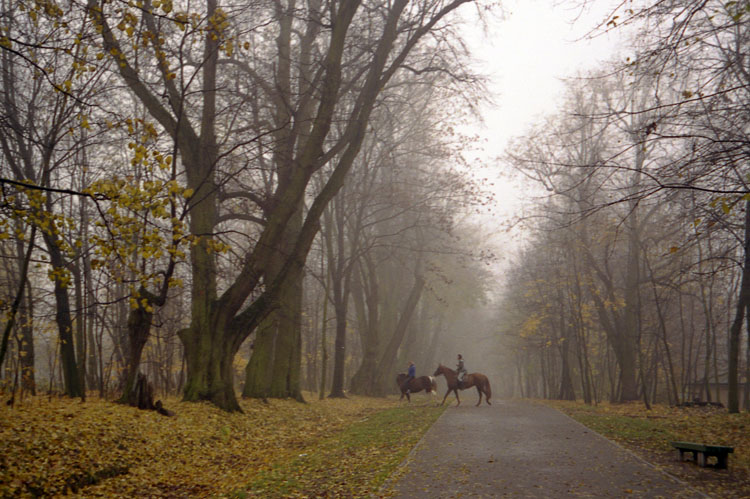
61,275
131,205
28,206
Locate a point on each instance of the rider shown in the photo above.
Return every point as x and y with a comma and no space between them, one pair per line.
460,370
411,373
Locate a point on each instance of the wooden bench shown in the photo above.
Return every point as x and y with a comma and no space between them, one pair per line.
701,453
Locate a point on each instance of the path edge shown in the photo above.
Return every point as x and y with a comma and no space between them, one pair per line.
632,453
398,471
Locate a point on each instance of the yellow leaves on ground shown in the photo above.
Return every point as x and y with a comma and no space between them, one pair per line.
98,448
649,433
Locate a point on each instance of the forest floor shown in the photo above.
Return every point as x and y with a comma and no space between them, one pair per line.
52,446
351,447
647,433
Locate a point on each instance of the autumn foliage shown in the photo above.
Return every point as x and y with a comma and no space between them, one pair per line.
340,447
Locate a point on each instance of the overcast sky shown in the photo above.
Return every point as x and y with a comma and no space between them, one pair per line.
530,51
527,55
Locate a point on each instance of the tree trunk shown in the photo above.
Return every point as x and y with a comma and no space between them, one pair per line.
139,329
80,323
339,352
18,300
274,366
746,397
64,321
209,356
567,392
385,370
736,329
366,304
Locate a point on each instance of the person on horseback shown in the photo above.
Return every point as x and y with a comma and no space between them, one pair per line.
411,373
460,371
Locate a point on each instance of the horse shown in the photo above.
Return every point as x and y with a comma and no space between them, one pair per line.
426,383
478,380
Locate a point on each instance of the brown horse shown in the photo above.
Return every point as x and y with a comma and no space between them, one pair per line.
426,383
478,380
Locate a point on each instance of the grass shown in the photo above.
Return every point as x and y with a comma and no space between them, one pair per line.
355,462
334,447
648,433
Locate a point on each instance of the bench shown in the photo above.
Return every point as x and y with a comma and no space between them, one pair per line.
701,453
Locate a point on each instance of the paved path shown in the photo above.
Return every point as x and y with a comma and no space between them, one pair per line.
520,449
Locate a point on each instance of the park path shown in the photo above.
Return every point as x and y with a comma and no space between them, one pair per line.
522,449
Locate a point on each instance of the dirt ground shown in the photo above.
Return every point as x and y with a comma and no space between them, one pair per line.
519,449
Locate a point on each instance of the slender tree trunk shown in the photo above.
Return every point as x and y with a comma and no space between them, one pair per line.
323,346
366,302
80,323
26,347
385,368
64,321
22,280
746,404
736,328
339,353
567,392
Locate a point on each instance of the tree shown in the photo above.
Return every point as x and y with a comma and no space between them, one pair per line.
220,321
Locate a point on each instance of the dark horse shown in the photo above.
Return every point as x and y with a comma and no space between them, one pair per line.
473,379
426,383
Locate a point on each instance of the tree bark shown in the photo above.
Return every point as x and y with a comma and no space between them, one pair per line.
366,301
736,329
385,369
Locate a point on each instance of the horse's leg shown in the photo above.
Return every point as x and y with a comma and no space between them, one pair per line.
446,395
486,396
479,392
457,399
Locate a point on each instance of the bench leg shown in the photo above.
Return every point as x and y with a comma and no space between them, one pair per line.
721,461
681,454
701,459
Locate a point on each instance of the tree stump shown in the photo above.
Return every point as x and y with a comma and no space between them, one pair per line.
142,397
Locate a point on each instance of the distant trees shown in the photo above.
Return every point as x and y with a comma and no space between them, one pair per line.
652,210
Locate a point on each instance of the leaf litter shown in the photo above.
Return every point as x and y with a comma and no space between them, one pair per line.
57,446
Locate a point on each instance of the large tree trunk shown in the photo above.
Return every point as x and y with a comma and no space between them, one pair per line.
273,369
139,328
209,355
